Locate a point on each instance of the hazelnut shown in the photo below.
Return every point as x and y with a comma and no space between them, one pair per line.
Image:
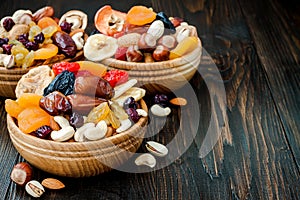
168,41
147,42
133,54
161,53
21,173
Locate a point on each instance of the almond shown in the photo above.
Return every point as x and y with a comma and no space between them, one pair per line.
178,101
53,184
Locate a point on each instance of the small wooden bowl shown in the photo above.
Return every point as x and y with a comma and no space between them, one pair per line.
164,76
10,77
78,159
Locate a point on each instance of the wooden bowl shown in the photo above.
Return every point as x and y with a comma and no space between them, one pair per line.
162,76
10,77
78,159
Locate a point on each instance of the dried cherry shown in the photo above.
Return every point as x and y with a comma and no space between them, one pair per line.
133,114
56,103
130,103
65,43
63,82
43,132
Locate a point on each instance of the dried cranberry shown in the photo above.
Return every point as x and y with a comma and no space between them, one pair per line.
66,27
32,46
76,120
130,103
39,38
133,114
8,23
43,132
161,99
23,38
7,48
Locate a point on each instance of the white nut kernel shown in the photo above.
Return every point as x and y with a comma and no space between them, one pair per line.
182,34
142,112
125,124
156,29
146,159
121,89
62,122
34,188
156,148
63,134
79,134
96,133
79,41
160,111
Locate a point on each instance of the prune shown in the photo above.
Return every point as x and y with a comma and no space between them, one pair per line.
8,23
56,103
32,46
130,103
3,41
23,38
65,43
76,120
43,132
63,82
7,48
39,38
65,26
93,85
165,19
133,114
84,104
161,99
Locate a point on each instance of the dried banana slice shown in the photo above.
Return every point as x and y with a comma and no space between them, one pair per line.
35,81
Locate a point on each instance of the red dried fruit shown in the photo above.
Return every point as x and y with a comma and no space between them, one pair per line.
116,77
121,53
61,66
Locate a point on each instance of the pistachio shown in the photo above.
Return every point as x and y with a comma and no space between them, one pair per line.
156,148
34,188
156,29
146,159
160,111
52,184
122,88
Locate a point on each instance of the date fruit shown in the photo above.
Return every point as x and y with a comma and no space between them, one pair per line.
56,103
65,43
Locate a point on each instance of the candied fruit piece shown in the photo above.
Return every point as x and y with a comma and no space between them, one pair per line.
47,51
29,99
98,113
12,108
34,30
187,45
114,121
96,69
140,15
32,118
28,60
49,31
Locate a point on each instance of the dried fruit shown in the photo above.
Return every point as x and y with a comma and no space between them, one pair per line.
49,31
165,19
8,23
12,108
55,104
47,51
43,132
161,53
52,184
130,103
29,99
121,53
76,18
98,113
133,54
39,38
140,15
65,43
46,21
76,120
178,101
187,45
96,69
133,114
62,66
161,99
65,26
21,173
116,77
147,42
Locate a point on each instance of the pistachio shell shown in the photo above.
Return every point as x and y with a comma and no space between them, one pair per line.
156,148
146,159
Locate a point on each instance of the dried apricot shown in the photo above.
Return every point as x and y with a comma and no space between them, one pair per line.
96,69
47,51
29,99
46,21
140,15
32,118
12,108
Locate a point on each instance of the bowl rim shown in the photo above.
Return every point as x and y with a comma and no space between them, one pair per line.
66,145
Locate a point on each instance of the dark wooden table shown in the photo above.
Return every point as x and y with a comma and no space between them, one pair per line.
256,46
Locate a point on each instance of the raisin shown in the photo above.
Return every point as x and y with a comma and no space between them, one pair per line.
130,103
63,82
161,99
66,27
56,103
32,46
43,132
39,38
8,23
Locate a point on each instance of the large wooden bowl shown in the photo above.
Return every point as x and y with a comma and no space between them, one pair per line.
78,159
10,77
165,76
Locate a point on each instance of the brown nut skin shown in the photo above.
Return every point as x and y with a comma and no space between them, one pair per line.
161,53
133,54
168,41
21,173
46,11
147,42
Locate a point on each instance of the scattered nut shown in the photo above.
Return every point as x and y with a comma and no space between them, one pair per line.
142,112
156,148
146,159
21,173
77,18
46,11
34,188
79,134
79,41
19,14
156,29
168,41
63,122
161,53
52,184
178,101
147,42
133,54
25,19
160,111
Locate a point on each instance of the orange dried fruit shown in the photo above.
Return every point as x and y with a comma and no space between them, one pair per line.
12,108
96,69
32,118
185,46
46,21
47,51
29,99
140,15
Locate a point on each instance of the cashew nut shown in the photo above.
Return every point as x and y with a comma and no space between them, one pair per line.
125,124
63,134
160,111
25,19
79,134
96,133
77,18
79,41
18,15
142,112
62,122
7,61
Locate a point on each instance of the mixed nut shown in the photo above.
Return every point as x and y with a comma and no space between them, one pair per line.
140,35
31,38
